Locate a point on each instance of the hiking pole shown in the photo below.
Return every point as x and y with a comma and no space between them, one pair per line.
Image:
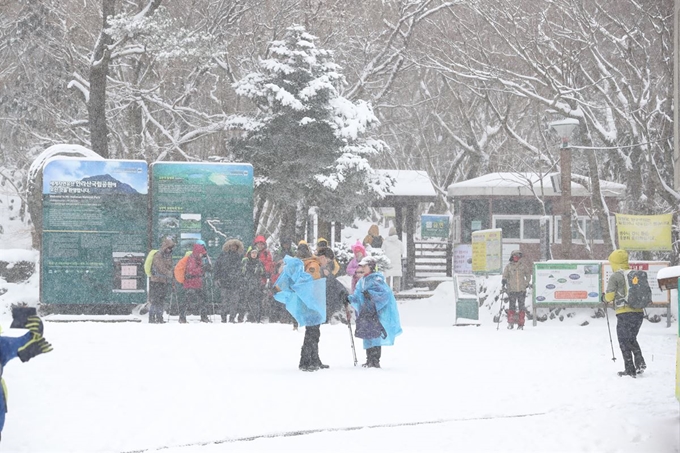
501,309
351,336
606,315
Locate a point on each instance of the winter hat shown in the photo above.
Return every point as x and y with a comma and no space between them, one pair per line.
369,261
327,252
302,242
303,251
322,243
393,231
358,246
515,253
201,242
199,249
619,260
259,239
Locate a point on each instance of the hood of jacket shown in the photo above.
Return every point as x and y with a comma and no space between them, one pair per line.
619,260
233,242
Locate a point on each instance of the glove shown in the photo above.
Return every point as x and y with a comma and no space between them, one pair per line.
35,325
603,299
20,315
366,294
345,300
36,346
504,283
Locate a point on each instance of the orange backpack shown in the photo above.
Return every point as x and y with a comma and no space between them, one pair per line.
181,267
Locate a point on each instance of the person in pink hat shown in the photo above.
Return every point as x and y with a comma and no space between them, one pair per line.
353,265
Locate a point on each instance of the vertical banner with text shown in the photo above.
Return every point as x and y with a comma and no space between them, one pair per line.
94,236
487,251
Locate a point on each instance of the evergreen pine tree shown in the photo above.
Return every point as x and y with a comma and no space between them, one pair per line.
306,142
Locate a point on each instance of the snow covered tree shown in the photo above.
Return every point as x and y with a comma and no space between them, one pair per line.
306,142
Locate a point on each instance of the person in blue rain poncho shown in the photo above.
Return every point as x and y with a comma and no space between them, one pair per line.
377,320
305,299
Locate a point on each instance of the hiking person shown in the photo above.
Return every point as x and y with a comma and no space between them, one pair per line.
193,283
336,293
373,238
322,243
254,281
394,250
377,321
359,253
628,319
228,278
305,299
161,281
515,281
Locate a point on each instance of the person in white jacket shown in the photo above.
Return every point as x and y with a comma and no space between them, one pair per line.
393,249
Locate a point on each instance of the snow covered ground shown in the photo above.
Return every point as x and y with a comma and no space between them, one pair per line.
122,387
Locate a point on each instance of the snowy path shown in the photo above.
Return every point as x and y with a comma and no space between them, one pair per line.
217,388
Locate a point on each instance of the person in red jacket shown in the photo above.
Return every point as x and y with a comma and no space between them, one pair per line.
266,258
193,283
270,273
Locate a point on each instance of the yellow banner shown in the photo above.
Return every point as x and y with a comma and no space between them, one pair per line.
487,251
644,232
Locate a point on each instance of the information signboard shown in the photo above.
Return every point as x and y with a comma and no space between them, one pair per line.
467,301
212,202
95,234
573,283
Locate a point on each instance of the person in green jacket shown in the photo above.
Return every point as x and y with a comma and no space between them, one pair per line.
628,319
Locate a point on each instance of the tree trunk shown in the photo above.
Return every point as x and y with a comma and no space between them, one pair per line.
99,70
597,201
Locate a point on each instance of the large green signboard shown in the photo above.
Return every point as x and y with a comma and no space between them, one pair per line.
94,236
201,201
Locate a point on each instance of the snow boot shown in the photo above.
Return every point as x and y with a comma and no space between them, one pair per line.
629,366
512,319
520,322
640,365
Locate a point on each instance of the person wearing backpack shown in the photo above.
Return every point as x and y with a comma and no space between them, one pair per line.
228,278
193,283
628,318
161,281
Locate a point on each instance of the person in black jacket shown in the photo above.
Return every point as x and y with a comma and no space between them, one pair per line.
254,284
228,278
336,293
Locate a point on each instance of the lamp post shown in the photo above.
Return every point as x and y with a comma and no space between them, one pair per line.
564,128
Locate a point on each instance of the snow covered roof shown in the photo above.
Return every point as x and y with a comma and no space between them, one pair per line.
410,183
514,184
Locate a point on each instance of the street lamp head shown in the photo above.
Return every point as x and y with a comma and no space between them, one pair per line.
564,128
